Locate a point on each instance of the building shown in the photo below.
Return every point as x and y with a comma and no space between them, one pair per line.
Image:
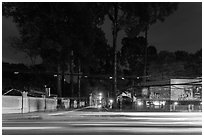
168,95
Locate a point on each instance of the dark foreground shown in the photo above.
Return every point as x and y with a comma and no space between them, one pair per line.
83,122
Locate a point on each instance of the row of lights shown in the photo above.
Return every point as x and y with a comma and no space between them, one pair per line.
175,103
122,78
55,75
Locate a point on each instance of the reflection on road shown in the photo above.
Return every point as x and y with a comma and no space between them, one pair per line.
103,123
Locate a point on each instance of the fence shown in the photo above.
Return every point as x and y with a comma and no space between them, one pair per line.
25,104
190,106
73,102
33,104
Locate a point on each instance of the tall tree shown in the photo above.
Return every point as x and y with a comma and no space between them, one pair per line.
54,28
133,18
147,14
132,58
132,55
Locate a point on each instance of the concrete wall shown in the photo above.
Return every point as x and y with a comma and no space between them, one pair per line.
11,104
17,104
40,104
51,104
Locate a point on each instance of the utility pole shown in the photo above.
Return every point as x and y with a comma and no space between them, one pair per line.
59,89
146,45
71,74
62,79
79,78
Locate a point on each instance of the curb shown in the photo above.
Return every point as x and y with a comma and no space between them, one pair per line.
23,118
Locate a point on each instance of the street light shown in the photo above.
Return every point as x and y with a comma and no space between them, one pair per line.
100,100
100,97
16,72
110,103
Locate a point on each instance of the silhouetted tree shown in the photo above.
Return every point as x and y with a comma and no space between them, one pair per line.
54,30
132,55
133,18
179,64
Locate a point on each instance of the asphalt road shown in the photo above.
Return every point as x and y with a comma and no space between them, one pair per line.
92,122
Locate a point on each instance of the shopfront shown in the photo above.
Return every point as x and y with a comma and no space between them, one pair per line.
174,95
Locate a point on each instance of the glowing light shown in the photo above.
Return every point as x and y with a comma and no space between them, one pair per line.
111,101
85,76
139,103
16,72
123,78
100,96
55,75
110,77
156,102
100,106
175,103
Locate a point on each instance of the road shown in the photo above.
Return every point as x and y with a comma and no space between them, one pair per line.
93,122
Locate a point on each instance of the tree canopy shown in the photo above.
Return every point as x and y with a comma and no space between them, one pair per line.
53,30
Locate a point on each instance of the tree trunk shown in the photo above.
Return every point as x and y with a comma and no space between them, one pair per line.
115,22
115,32
146,45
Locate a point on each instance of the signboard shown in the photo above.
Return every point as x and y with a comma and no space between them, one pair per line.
145,92
197,92
162,92
188,91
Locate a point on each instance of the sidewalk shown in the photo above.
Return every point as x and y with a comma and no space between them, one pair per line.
35,115
22,116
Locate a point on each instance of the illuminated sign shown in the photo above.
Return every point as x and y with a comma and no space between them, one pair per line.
159,92
145,92
187,91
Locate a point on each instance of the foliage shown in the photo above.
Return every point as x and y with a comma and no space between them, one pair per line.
53,30
179,64
141,15
132,55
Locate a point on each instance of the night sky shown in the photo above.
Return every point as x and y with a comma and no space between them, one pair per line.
180,31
